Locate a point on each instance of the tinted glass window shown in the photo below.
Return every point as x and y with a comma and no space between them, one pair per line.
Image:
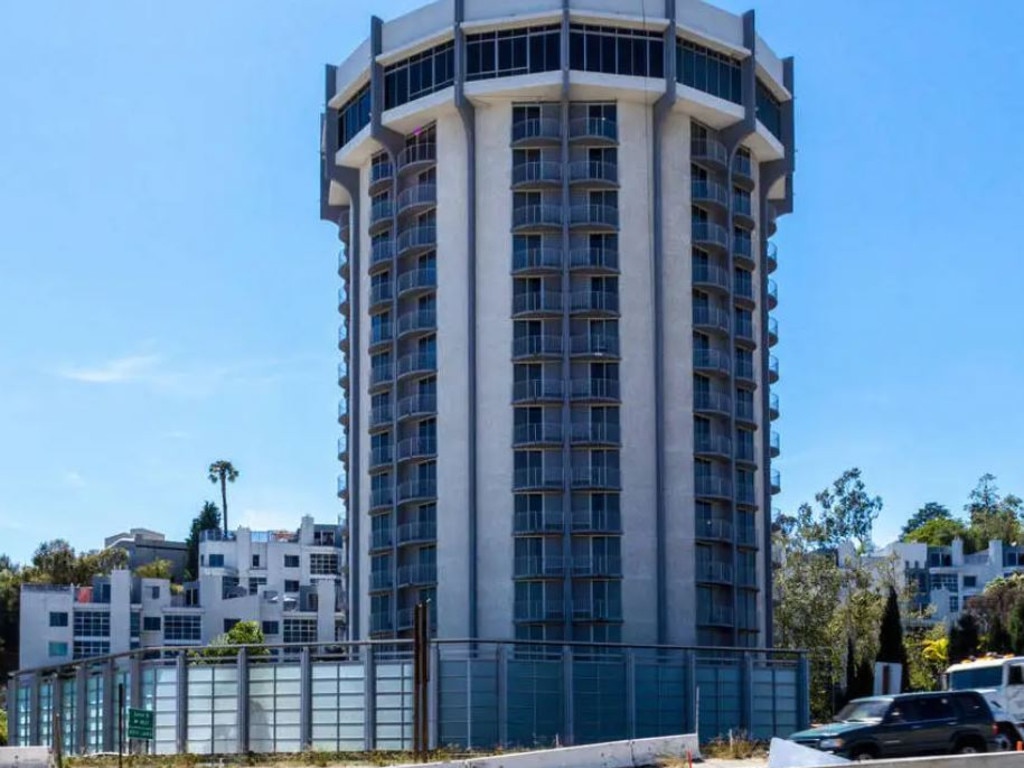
935,708
982,677
613,51
420,75
354,115
769,110
709,71
508,52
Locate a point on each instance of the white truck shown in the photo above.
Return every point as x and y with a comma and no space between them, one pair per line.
999,678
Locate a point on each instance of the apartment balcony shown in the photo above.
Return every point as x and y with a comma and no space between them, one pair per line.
710,529
773,295
773,331
536,346
407,617
417,407
743,252
588,521
381,294
537,131
743,211
713,486
417,322
343,375
382,253
602,260
381,498
538,390
382,539
417,489
745,412
711,277
712,403
343,412
713,446
343,303
536,175
380,580
594,173
746,535
539,610
712,319
540,433
545,521
419,238
343,265
709,153
745,332
772,257
776,482
345,230
417,364
714,573
537,304
746,453
381,457
382,215
343,487
537,479
710,235
419,532
382,374
595,216
381,175
417,448
595,302
537,218
773,369
744,370
597,566
381,623
384,333
417,199
743,291
709,193
773,406
746,578
416,281
745,494
598,390
537,260
596,434
417,157
597,478
742,171
711,361
598,345
585,609
381,416
774,444
538,567
594,130
417,574
715,616
770,226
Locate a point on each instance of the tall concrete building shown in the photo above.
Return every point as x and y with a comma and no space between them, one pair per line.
556,336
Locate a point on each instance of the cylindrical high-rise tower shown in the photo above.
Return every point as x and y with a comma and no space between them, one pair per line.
556,318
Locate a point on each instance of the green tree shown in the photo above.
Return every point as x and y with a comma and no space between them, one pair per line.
890,639
156,569
10,600
926,514
1015,628
938,532
845,513
993,517
3,728
56,562
928,654
223,472
998,638
964,638
244,633
208,519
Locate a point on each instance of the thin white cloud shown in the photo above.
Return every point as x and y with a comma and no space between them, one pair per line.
74,479
264,519
117,371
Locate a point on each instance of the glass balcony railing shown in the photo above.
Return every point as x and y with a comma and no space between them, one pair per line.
594,258
544,215
538,566
417,531
593,171
708,233
537,302
417,238
719,403
417,363
417,405
709,151
711,360
707,191
424,278
595,389
537,389
536,478
417,196
714,318
417,154
537,346
537,433
541,259
417,488
537,128
539,172
710,275
417,448
594,128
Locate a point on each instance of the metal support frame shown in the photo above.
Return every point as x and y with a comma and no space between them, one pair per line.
306,700
181,735
242,694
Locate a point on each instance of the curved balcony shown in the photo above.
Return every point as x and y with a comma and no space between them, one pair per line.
381,334
594,129
714,573
381,580
537,303
343,338
601,390
381,375
537,346
382,253
596,566
715,616
537,173
773,295
381,295
342,417
417,322
381,498
595,302
342,487
537,567
546,216
417,157
536,479
744,370
743,251
417,574
710,277
381,416
382,214
417,239
774,444
541,433
417,489
714,530
596,433
382,539
417,364
773,331
417,407
710,153
585,609
773,369
417,448
715,446
712,319
537,390
541,131
707,234
343,305
773,406
772,257
770,224
594,259
746,535
745,331
381,457
345,233
381,174
538,611
743,291
711,361
586,521
343,444
594,216
776,482
598,345
417,198
742,170
745,453
598,478
743,211
712,403
713,486
533,260
745,495
745,413
417,532
709,193
594,173
343,375
421,280
343,265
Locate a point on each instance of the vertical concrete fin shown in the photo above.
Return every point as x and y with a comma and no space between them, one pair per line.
392,141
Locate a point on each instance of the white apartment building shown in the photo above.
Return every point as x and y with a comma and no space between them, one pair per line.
291,582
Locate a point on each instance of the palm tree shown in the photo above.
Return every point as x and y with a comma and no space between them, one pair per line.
223,472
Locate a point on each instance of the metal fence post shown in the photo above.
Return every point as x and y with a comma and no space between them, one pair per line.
135,682
569,735
502,688
13,712
56,717
631,692
803,691
691,720
369,697
81,707
242,665
109,736
434,696
306,699
181,666
33,711
747,693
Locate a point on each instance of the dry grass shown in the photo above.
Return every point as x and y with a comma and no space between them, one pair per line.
738,746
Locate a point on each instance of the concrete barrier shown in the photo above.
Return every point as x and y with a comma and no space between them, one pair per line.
986,760
25,757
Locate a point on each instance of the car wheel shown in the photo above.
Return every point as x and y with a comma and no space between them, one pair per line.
862,755
968,748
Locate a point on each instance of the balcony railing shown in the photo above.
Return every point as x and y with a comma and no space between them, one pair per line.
536,301
594,128
424,278
539,610
772,253
381,292
419,237
382,211
533,567
545,521
381,456
712,402
536,172
720,573
382,497
381,580
745,329
537,346
420,530
417,405
417,573
537,389
717,486
773,368
716,445
742,206
746,535
417,153
741,166
711,360
714,530
598,345
717,615
417,488
382,252
776,482
594,214
382,415
743,288
537,258
382,333
541,432
596,610
417,362
773,406
745,493
420,195
745,368
418,320
417,448
595,389
709,150
379,172
382,538
342,411
596,477
591,171
743,248
596,432
597,565
342,487
595,301
775,444
381,374
709,233
745,410
706,191
594,258
407,616
545,128
536,478
595,521
773,294
711,317
540,215
709,274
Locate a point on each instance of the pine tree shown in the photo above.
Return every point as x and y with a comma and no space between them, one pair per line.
998,639
964,638
1016,628
851,669
891,649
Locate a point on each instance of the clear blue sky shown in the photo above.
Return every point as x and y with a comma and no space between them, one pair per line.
168,294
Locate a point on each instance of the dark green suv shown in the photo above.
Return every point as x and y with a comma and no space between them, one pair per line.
909,724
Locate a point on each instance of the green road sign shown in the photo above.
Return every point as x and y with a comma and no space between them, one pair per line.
140,724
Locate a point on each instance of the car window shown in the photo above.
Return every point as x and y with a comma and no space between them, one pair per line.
936,708
973,707
905,711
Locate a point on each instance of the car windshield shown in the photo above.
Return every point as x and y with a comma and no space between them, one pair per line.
862,711
979,677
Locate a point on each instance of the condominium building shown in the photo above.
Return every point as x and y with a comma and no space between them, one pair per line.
291,582
556,318
145,546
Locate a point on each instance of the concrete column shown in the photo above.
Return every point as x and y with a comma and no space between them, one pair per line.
33,711
181,666
691,718
242,663
12,712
